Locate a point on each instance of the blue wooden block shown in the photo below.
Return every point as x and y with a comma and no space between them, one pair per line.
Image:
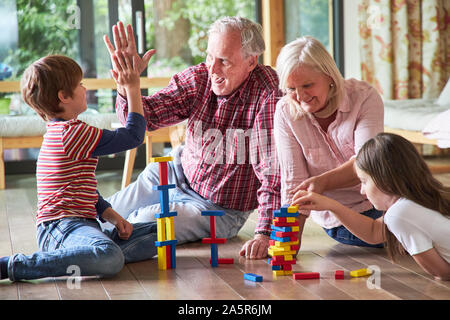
279,213
283,239
165,243
214,255
282,229
269,260
166,215
276,267
253,277
213,213
164,187
164,200
173,256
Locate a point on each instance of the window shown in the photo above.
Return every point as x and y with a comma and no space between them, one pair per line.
321,19
33,29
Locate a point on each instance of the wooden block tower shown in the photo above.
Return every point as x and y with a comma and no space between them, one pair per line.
165,220
213,241
284,240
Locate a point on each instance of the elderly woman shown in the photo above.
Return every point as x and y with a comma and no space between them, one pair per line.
320,124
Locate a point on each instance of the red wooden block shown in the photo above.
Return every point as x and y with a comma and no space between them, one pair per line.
295,247
271,242
212,222
286,267
216,240
282,263
339,274
285,224
162,173
168,256
282,234
306,275
224,260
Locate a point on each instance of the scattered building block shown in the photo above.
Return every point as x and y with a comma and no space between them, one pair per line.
306,275
360,272
339,274
225,260
253,277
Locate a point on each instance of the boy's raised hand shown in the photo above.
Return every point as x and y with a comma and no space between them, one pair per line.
125,72
126,45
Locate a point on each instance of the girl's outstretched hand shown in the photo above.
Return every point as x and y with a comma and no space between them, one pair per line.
309,200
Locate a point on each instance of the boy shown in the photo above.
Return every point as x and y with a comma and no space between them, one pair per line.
69,204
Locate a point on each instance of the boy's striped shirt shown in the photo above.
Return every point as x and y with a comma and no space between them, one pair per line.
65,172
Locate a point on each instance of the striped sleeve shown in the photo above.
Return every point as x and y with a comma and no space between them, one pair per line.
80,139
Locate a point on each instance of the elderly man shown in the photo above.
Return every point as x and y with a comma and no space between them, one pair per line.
228,161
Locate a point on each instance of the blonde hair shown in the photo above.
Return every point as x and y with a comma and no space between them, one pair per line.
310,52
252,40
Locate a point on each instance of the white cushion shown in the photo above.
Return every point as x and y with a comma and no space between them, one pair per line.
33,125
444,97
410,114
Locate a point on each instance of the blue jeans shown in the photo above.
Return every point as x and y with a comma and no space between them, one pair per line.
342,235
81,243
139,203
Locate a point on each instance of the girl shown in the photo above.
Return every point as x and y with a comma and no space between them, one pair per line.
396,180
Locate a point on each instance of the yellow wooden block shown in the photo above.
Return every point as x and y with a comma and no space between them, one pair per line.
280,253
162,262
361,272
295,229
281,249
161,229
292,209
285,244
288,219
161,159
170,228
282,272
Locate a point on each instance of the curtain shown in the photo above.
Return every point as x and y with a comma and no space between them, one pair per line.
405,46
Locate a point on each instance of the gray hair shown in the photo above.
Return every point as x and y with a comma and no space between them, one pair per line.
311,52
252,40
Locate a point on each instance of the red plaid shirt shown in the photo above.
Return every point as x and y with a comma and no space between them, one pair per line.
229,157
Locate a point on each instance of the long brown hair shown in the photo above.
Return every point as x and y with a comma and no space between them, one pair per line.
397,169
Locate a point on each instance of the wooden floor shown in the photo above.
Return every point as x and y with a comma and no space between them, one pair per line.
194,279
